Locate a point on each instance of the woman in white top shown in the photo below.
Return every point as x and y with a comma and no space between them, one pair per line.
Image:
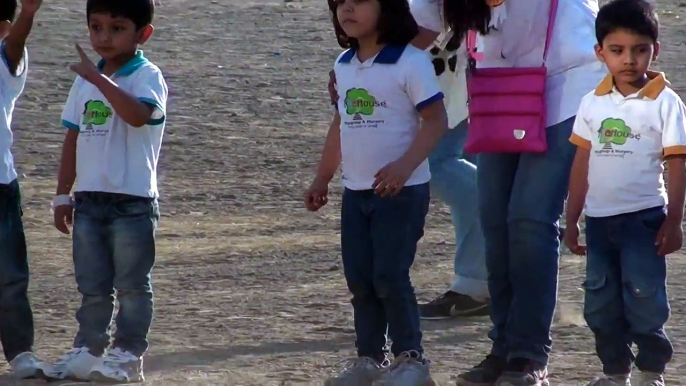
521,196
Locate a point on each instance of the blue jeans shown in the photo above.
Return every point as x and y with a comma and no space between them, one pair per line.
626,291
521,200
114,253
379,238
16,317
453,181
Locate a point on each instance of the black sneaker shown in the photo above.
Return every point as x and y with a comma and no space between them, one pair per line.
524,372
452,304
485,373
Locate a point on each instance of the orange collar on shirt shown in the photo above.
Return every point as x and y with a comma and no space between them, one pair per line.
652,90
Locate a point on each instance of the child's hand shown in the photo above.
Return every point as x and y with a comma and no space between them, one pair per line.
333,93
392,178
316,196
572,239
64,218
30,7
670,237
85,68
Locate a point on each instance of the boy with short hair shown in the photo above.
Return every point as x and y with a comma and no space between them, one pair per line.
624,131
16,317
115,116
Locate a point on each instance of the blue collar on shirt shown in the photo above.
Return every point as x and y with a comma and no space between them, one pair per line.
388,55
130,67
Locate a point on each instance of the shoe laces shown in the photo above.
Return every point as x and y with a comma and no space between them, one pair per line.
441,299
653,379
119,356
405,358
607,380
354,363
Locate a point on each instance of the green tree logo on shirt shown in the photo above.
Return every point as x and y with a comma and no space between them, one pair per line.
614,131
96,113
358,102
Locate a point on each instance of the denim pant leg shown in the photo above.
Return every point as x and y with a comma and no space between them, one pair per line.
132,236
495,178
16,317
357,252
397,225
536,204
453,181
94,272
520,209
644,273
603,302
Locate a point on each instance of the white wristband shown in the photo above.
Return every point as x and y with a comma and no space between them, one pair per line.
62,200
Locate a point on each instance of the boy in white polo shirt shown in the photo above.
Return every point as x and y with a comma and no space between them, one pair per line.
16,317
624,131
115,116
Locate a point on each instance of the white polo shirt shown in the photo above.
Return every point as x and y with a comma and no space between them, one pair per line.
628,138
11,86
517,39
112,156
379,103
451,62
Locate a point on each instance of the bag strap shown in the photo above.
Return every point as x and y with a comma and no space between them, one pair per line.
471,36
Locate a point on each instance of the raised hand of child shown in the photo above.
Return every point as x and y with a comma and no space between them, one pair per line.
392,178
670,237
572,240
85,68
317,195
30,7
64,218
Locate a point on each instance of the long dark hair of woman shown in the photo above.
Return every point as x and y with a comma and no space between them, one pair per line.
465,15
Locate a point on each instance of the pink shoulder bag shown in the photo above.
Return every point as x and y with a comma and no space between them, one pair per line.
507,108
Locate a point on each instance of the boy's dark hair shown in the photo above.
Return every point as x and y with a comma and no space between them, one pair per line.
8,10
637,16
140,12
396,25
465,15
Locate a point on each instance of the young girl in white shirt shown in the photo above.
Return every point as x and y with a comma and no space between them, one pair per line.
390,115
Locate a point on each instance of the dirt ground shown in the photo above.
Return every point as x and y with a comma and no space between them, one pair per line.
249,288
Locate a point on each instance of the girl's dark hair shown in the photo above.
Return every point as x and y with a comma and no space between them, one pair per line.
465,15
396,25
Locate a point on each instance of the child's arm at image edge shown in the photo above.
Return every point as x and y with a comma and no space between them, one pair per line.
674,145
676,188
331,153
67,171
16,40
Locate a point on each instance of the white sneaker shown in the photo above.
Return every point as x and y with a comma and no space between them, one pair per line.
408,369
360,371
75,364
26,365
611,380
119,366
